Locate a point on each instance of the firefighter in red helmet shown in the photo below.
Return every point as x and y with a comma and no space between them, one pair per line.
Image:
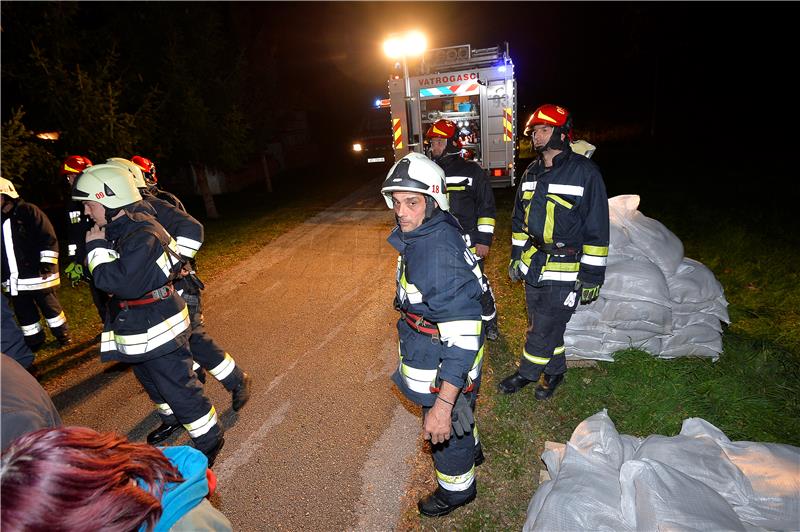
471,202
559,236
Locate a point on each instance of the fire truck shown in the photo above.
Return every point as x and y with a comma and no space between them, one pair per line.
473,87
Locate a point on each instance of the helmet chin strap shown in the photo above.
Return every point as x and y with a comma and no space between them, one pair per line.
430,208
555,142
110,213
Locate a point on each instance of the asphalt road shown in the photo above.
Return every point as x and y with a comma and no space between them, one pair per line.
324,443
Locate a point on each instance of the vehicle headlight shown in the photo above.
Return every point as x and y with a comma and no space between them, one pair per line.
356,146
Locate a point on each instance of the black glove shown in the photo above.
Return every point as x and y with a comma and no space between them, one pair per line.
588,291
513,271
462,417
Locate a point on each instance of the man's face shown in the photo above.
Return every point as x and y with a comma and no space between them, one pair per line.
96,212
409,208
438,146
541,135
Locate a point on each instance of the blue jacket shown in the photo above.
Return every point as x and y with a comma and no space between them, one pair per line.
471,197
560,222
438,278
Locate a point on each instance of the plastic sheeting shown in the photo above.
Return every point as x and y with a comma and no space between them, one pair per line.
653,298
697,480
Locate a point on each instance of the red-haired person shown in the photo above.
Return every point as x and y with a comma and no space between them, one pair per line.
74,478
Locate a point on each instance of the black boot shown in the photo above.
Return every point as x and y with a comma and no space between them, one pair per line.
162,433
513,383
479,458
201,375
64,340
434,504
241,393
214,451
547,385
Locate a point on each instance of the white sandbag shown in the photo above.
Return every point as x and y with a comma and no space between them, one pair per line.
635,315
594,345
586,346
635,280
679,321
715,307
585,317
655,241
773,470
597,437
693,283
655,496
694,340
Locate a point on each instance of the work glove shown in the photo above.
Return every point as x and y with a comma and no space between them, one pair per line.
462,416
513,271
74,271
588,291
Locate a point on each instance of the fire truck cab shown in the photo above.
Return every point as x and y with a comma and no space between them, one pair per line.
473,87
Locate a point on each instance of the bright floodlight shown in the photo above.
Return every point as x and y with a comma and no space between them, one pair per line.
415,43
410,44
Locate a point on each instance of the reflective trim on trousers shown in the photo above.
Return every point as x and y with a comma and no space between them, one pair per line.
456,482
188,247
224,368
164,409
200,426
30,330
58,321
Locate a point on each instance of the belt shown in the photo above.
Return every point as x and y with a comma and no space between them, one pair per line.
156,295
420,324
552,249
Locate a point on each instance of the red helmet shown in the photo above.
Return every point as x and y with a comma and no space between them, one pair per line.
75,164
442,129
550,115
148,168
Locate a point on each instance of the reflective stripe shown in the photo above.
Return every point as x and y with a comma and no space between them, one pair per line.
49,257
37,283
528,185
601,251
458,180
559,350
527,195
572,190
558,276
8,244
99,256
459,327
30,330
489,317
58,321
523,267
74,216
202,425
188,247
195,365
518,239
418,380
165,409
594,261
224,368
540,361
409,290
549,222
486,228
451,188
456,482
166,261
72,249
477,364
561,201
562,267
156,336
475,433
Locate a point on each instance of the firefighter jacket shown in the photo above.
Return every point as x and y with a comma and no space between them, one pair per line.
79,224
560,222
187,231
471,197
136,258
169,197
30,249
438,279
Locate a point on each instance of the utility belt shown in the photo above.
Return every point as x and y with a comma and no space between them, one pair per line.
156,295
420,324
552,249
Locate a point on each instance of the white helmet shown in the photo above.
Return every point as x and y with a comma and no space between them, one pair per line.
7,188
107,184
416,173
133,168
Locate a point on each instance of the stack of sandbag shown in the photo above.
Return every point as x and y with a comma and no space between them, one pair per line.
698,480
653,298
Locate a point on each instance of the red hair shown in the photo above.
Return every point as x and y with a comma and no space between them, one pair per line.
74,478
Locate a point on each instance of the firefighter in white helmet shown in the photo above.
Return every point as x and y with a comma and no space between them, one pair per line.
131,256
440,329
30,267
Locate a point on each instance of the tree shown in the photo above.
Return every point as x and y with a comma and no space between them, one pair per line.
24,160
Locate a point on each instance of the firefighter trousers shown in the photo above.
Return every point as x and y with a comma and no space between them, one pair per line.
27,306
12,342
550,307
173,386
454,462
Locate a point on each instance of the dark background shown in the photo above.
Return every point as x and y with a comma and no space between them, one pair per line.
679,83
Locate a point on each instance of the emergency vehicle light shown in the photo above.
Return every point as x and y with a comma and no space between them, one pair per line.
497,172
356,147
501,68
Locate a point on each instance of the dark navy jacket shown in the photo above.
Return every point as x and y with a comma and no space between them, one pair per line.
471,197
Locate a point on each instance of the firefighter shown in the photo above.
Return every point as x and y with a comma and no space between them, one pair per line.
30,268
559,246
131,256
440,329
79,224
207,355
471,202
148,168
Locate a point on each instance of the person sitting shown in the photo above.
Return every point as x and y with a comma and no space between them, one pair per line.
74,478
